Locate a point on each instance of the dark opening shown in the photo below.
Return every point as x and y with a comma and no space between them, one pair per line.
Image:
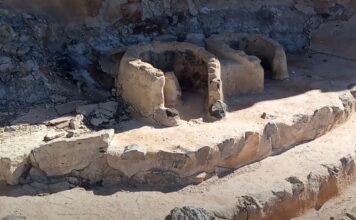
189,69
192,76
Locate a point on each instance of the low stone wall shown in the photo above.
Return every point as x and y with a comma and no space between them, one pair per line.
269,51
99,158
141,79
240,72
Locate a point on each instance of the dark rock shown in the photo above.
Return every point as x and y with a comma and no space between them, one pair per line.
190,213
14,217
171,112
218,110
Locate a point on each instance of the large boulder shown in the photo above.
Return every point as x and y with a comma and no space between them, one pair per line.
63,156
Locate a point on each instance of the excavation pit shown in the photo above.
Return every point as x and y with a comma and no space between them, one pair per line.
171,81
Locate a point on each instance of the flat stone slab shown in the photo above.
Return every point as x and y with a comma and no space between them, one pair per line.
25,147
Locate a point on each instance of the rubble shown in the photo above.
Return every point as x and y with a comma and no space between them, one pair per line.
100,114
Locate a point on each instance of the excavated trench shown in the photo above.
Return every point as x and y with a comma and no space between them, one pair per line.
201,113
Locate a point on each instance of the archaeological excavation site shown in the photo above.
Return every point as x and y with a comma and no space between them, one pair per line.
177,109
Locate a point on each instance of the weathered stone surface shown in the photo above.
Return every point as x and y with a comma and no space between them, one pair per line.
15,147
5,64
69,107
134,152
353,90
99,114
234,46
172,91
240,73
190,213
140,71
218,110
54,135
63,156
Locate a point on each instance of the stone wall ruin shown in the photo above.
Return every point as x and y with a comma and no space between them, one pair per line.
146,81
246,59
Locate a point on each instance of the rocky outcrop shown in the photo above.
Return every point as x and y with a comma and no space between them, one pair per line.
289,22
190,213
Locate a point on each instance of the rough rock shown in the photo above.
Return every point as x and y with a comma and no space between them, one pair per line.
62,156
172,91
76,122
240,72
195,38
166,116
99,114
69,107
134,152
190,213
353,90
218,110
5,64
15,149
165,38
50,136
14,217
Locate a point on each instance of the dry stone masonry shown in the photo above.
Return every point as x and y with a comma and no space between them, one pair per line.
246,57
179,93
158,71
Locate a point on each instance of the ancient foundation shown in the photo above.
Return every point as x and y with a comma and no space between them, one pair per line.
246,59
158,73
159,113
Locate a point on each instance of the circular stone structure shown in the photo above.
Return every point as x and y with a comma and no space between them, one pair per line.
149,72
270,52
